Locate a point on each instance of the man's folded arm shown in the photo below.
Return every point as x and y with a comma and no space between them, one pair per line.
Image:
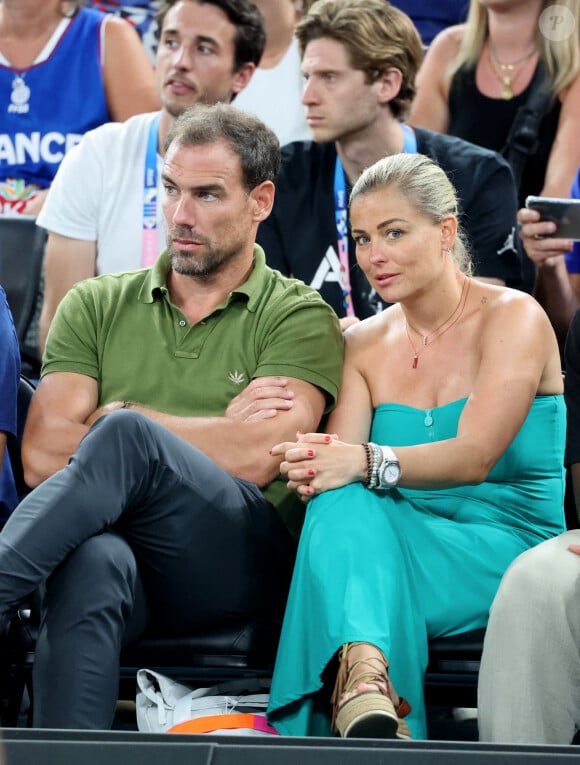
242,448
55,423
65,403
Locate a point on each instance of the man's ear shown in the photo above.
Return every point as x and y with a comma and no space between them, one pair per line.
389,84
262,197
242,77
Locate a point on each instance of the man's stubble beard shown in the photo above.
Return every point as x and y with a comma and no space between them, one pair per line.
205,264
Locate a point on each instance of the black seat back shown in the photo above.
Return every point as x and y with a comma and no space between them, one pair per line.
21,254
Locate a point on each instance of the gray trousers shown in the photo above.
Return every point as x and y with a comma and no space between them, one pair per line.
529,682
139,530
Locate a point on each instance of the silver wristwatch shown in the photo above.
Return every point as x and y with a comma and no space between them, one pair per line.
389,470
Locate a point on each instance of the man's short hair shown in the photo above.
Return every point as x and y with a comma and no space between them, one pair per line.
250,36
255,144
376,35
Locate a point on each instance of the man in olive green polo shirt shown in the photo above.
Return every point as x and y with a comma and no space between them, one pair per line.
168,500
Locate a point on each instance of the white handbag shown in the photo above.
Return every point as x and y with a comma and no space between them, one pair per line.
233,708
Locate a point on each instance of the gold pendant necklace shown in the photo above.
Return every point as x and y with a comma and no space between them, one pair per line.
514,68
439,331
507,92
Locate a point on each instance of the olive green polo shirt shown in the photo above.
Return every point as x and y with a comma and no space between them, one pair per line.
124,331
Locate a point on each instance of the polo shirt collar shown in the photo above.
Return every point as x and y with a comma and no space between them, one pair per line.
253,287
156,280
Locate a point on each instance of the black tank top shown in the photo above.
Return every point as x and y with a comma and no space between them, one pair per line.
487,121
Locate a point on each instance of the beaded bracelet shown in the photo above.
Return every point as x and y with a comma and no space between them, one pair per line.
369,457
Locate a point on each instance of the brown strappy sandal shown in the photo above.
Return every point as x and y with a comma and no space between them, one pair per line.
372,713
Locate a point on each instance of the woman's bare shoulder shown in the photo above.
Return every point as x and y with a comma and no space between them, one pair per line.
505,304
499,295
364,334
516,333
446,44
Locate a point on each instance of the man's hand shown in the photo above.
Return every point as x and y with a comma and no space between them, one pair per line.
317,462
263,398
535,234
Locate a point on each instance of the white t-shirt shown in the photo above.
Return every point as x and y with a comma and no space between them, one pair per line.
275,96
97,194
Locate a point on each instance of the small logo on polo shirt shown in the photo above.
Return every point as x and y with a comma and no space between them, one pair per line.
236,377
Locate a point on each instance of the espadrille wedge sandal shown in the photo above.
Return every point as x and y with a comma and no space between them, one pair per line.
371,712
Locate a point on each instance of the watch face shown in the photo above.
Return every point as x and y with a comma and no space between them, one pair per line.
390,473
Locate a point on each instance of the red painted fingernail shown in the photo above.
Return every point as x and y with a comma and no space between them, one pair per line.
311,472
328,439
311,452
269,451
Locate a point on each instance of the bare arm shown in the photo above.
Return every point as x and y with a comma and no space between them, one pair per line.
430,108
565,153
55,423
352,416
65,404
67,261
128,75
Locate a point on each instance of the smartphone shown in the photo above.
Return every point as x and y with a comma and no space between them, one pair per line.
565,213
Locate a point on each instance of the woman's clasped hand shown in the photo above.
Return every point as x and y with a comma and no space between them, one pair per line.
317,462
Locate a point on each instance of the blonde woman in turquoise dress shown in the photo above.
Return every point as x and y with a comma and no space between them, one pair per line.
443,461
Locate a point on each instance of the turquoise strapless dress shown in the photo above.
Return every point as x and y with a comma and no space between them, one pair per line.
395,568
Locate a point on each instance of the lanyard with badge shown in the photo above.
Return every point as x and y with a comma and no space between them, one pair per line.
150,244
341,218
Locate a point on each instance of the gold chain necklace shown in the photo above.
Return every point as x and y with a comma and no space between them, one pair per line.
514,68
439,331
